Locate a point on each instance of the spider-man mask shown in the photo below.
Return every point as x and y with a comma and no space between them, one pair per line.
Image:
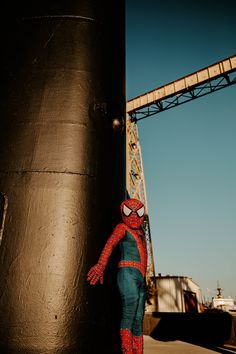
132,212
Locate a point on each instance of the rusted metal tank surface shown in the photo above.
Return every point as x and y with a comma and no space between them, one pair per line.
62,173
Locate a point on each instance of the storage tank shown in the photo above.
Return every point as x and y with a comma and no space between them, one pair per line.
62,172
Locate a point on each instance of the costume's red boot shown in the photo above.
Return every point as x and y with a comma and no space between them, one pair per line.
138,344
126,341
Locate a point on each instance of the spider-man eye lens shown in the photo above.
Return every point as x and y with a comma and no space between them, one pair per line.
127,211
140,211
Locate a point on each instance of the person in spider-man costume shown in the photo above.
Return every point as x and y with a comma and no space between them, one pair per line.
132,266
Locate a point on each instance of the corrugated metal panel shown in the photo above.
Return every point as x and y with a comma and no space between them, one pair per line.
233,62
191,80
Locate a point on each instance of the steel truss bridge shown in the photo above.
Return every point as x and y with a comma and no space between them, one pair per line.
200,83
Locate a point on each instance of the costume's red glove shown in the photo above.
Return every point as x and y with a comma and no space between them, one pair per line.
96,273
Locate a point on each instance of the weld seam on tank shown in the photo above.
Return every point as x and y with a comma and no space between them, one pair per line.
49,172
69,17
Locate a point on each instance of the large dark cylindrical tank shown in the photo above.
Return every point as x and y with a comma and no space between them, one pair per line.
62,173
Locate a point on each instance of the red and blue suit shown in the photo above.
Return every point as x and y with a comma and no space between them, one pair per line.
130,238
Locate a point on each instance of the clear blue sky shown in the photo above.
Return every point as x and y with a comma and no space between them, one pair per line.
188,151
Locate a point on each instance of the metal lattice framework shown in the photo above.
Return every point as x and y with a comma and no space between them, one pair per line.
135,182
210,79
195,85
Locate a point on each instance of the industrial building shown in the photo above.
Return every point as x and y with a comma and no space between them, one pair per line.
176,294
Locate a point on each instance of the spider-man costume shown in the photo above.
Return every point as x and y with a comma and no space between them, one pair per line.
131,273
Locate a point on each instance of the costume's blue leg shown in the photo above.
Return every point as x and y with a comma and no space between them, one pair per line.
138,320
128,289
